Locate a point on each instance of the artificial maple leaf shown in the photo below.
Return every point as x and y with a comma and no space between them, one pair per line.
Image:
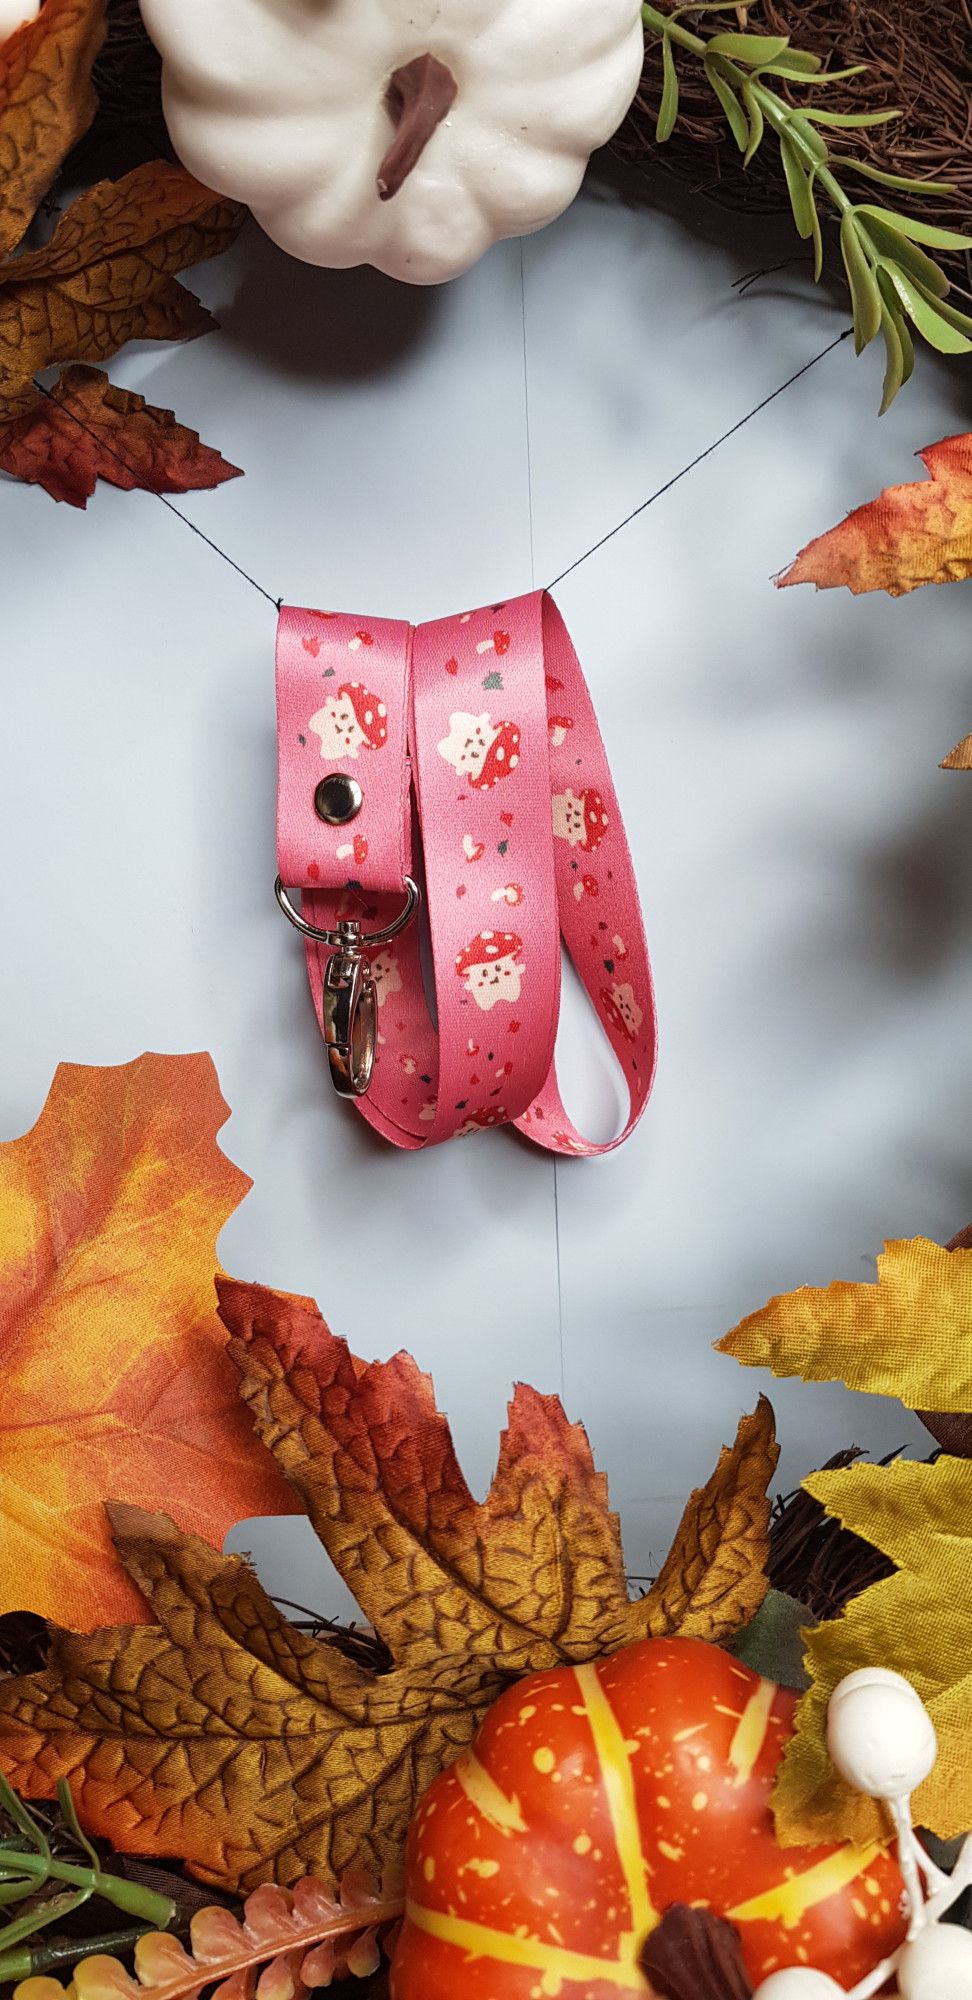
108,276
87,430
960,758
113,1371
47,101
916,1623
909,1335
255,1752
909,535
545,1529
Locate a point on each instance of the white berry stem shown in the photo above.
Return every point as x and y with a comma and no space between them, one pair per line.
875,1981
909,1852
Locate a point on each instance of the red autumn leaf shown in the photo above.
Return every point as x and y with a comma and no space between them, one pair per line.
114,1376
87,430
909,535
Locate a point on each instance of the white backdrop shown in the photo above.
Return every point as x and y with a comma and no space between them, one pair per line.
803,863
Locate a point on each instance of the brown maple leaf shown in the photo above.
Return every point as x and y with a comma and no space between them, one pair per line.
224,1734
959,757
108,275
47,102
86,430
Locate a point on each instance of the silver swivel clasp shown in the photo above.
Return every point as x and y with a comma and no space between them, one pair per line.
349,1004
350,1013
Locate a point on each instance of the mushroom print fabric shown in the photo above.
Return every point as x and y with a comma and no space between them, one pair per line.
476,733
593,1798
408,134
353,719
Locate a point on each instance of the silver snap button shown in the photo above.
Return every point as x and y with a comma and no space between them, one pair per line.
337,798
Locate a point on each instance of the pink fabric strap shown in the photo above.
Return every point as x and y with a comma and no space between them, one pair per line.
480,727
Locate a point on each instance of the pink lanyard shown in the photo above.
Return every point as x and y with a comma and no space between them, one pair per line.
481,727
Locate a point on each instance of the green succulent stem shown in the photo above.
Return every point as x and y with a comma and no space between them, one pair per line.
776,111
33,1870
895,286
26,1868
29,1960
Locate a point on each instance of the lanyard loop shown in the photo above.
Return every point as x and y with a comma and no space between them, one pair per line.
478,731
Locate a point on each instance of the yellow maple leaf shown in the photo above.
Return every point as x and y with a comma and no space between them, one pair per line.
916,1622
909,1335
226,1735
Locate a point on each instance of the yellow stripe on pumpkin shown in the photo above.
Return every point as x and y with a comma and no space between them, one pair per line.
788,1901
554,1962
751,1731
487,1797
615,1765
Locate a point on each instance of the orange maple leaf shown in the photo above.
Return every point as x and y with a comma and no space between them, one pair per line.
86,430
909,535
114,1379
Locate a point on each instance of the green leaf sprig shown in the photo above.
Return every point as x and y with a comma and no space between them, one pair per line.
892,279
28,1863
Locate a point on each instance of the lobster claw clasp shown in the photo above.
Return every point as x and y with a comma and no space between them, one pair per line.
349,997
349,1013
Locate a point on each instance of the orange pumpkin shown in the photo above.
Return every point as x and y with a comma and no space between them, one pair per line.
594,1797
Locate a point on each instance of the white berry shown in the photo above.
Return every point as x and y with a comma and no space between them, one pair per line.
800,1982
880,1735
937,1964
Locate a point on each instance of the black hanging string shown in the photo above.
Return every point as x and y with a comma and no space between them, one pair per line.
184,518
576,564
697,460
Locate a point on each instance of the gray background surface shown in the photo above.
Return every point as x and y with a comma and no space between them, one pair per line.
804,865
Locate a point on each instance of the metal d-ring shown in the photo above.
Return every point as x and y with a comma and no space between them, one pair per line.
368,939
349,996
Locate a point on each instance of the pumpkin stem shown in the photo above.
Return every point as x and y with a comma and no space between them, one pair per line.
418,96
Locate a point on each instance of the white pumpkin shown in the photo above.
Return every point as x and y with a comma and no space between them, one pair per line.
409,134
13,13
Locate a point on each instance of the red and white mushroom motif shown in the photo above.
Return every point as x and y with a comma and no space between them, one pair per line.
501,758
557,727
386,974
481,750
489,966
580,818
484,1121
622,1009
351,719
370,714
